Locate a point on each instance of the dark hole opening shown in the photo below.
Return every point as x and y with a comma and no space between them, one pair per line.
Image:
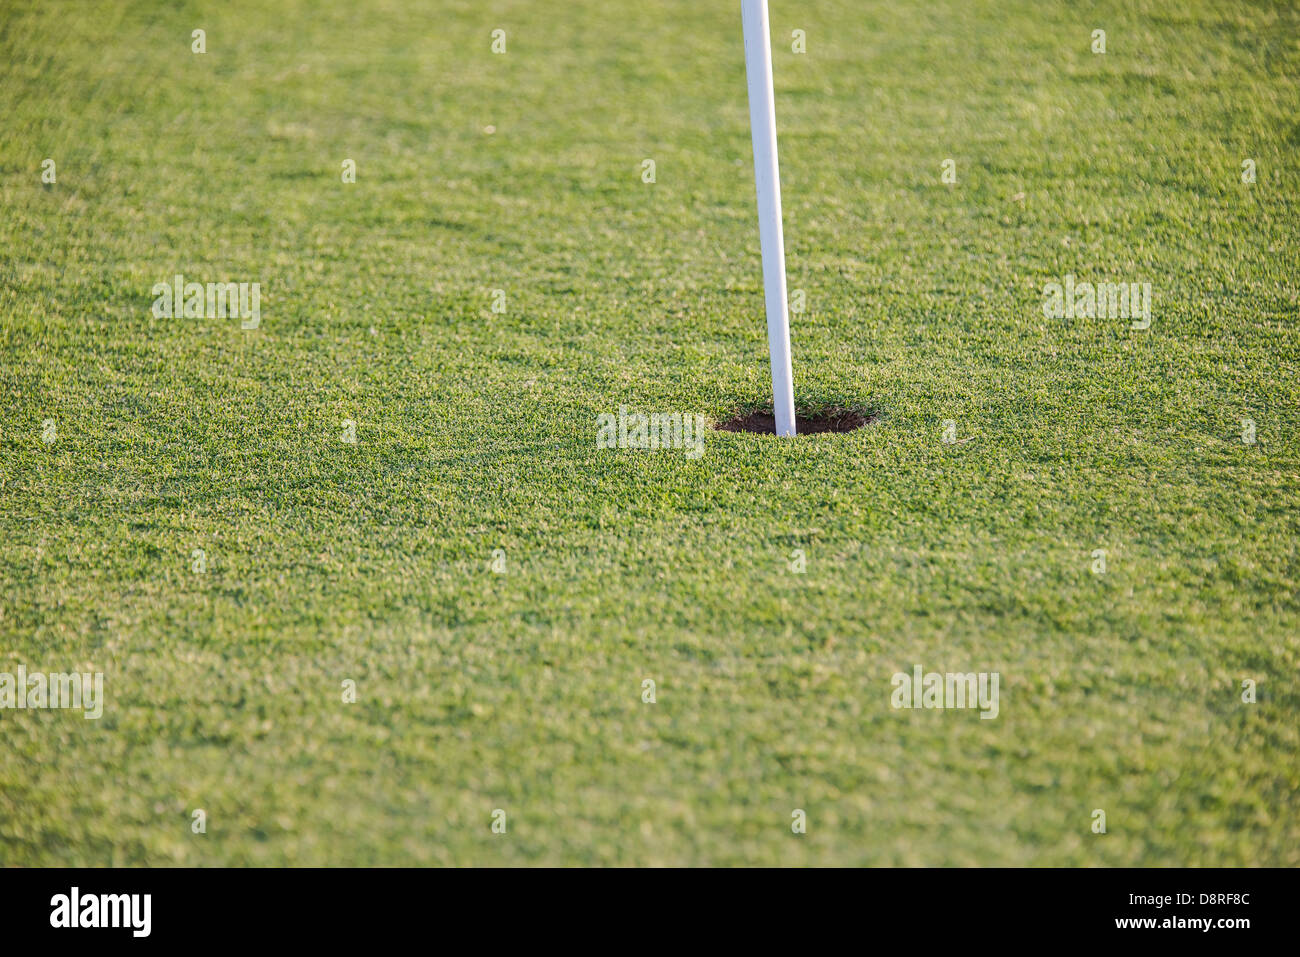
763,422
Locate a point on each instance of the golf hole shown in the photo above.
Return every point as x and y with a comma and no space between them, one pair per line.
763,422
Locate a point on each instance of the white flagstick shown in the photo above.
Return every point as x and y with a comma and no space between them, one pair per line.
767,181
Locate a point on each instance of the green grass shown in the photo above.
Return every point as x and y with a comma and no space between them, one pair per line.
476,431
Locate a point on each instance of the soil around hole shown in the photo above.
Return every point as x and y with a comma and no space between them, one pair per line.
763,422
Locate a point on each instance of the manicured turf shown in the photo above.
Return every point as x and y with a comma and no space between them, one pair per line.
476,430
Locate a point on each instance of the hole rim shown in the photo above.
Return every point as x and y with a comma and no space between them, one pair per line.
829,419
